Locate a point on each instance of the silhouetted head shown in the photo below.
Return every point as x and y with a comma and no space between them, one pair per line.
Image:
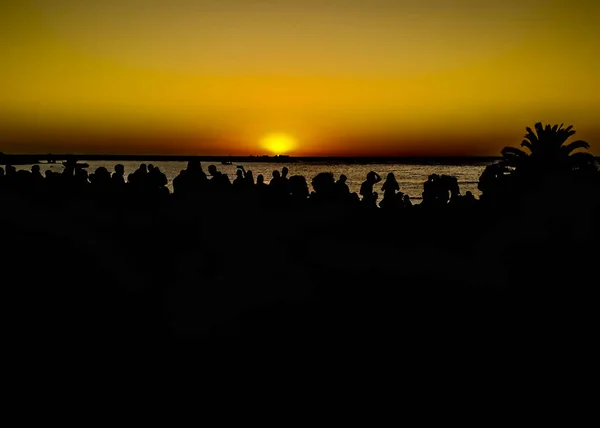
276,174
323,182
212,170
343,178
260,179
284,171
143,168
371,176
390,177
119,169
150,168
101,172
239,174
194,164
298,186
249,174
48,173
406,198
35,169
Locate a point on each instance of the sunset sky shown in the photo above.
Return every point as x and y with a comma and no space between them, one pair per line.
326,77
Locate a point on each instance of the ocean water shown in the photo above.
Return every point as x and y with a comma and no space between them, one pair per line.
409,176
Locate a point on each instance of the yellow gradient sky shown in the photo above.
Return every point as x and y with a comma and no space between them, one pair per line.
377,77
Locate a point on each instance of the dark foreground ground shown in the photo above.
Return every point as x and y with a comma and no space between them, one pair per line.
128,270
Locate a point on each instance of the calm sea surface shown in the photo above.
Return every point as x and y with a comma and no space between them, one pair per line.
409,176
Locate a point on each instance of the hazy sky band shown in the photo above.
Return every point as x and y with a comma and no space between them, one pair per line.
356,77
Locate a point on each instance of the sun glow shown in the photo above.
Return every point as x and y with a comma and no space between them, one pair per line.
278,143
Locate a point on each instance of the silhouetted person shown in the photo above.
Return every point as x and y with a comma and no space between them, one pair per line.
250,178
341,188
190,181
81,179
276,188
239,183
156,179
219,182
324,188
179,183
100,180
138,180
261,187
366,190
194,167
36,174
429,189
298,188
497,184
37,179
275,179
389,188
450,187
118,177
285,185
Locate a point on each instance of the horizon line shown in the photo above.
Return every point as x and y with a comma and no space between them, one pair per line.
113,155
36,158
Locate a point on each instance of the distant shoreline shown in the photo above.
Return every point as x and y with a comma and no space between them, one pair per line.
16,159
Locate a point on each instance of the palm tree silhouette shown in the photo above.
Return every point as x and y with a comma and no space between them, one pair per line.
548,152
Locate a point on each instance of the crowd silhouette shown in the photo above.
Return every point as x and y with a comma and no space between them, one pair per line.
193,184
249,256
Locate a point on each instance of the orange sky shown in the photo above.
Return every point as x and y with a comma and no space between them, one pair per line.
397,77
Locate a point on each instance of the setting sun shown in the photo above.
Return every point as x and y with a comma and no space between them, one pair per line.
278,143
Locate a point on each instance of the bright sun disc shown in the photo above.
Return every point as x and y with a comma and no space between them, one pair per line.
278,143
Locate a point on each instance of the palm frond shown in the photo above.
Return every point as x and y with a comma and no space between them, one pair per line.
531,136
539,127
528,144
541,132
579,144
